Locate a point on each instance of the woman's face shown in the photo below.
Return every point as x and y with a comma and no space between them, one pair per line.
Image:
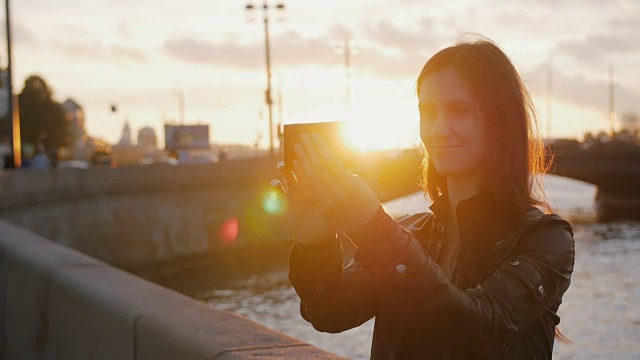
452,126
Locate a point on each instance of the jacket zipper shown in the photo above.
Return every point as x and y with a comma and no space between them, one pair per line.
440,241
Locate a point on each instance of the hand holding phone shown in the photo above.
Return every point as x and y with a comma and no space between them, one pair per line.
326,186
332,132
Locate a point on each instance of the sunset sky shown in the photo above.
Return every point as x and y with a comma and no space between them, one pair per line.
137,54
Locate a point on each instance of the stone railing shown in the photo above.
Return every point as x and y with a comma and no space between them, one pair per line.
57,303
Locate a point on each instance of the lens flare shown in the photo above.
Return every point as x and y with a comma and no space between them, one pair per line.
273,202
229,231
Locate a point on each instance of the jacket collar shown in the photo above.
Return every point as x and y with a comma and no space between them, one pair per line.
482,218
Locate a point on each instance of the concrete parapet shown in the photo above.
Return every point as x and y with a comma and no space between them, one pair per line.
144,216
57,303
30,186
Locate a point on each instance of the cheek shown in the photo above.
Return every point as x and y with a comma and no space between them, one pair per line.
468,128
483,135
425,130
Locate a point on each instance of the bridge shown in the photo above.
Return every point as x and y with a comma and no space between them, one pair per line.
613,167
63,291
144,216
140,216
74,301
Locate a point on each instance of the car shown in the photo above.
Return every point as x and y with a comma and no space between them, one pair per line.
73,164
159,160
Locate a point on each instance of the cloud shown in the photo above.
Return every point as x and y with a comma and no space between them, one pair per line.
581,91
124,30
340,32
595,48
293,49
128,53
229,53
79,49
518,19
628,23
419,2
289,49
99,52
23,36
407,42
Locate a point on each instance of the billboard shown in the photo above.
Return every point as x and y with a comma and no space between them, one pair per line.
185,137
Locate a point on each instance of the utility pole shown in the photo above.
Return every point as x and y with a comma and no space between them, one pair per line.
269,100
549,94
13,108
612,110
347,51
280,121
180,95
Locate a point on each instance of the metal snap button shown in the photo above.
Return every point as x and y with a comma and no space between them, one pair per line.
515,262
541,290
401,269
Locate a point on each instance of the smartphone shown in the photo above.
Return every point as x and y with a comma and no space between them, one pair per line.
333,133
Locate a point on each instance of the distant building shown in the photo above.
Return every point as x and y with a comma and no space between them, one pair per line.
631,123
4,109
125,140
147,138
80,146
188,142
4,92
125,152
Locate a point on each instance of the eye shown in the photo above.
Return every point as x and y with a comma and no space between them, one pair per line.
459,110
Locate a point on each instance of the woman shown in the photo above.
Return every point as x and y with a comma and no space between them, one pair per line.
480,276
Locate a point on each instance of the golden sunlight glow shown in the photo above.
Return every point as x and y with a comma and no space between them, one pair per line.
382,128
570,120
365,137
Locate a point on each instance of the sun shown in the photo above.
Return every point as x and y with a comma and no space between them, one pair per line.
366,138
368,129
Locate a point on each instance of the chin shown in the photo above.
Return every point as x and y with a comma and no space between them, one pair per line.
453,170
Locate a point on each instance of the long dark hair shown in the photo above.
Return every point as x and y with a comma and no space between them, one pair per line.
516,156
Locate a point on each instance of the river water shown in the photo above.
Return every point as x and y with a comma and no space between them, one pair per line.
600,312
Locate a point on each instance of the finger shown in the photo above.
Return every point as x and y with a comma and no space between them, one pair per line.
305,181
319,196
316,199
318,166
333,164
285,171
312,189
342,176
303,161
325,187
278,184
336,188
303,192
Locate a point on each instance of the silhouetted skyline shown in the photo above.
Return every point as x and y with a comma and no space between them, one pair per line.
138,55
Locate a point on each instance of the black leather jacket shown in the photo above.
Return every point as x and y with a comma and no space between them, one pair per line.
509,275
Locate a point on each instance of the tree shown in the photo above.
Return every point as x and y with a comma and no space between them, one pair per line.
42,119
631,123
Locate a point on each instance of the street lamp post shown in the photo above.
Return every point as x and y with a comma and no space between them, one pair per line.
347,50
180,95
268,98
12,113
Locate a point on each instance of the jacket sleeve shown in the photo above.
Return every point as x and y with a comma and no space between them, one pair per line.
487,317
332,298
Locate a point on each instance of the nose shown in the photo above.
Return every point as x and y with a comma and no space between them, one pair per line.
439,128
